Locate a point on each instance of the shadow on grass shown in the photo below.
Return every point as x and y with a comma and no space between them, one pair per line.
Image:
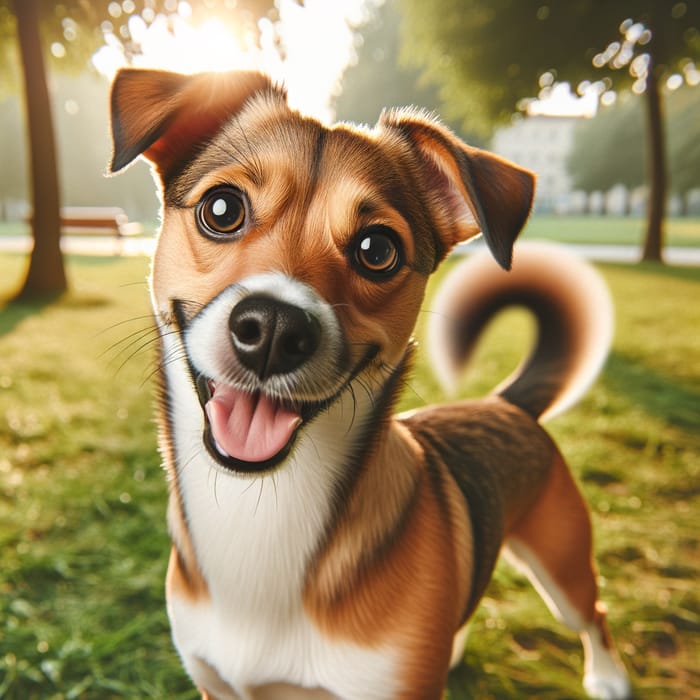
13,312
658,394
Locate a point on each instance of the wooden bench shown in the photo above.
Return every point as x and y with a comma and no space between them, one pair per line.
97,221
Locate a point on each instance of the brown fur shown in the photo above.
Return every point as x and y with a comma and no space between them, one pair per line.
425,502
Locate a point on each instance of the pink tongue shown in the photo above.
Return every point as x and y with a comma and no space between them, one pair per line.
249,427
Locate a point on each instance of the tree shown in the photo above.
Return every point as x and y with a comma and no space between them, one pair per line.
378,80
46,275
684,142
488,55
73,29
608,149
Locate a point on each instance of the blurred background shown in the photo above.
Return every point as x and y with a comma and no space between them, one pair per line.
597,98
600,98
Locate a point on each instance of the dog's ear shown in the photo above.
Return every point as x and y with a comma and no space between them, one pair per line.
166,116
472,191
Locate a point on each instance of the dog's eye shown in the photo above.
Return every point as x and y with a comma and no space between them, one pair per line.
377,254
221,212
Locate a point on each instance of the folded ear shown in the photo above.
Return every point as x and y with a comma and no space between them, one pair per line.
472,191
166,116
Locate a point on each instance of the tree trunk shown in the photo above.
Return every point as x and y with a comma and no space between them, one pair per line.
46,275
654,236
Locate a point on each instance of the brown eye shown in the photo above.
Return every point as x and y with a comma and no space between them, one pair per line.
221,212
377,253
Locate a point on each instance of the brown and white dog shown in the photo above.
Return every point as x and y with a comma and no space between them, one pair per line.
321,547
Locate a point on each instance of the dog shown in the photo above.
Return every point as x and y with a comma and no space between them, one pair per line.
322,548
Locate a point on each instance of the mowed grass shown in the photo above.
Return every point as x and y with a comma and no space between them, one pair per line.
82,497
610,230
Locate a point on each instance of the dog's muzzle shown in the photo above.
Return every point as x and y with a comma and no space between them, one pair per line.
270,338
266,356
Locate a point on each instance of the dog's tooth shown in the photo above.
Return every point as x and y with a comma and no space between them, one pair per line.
220,449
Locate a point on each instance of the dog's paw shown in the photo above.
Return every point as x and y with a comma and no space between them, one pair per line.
613,684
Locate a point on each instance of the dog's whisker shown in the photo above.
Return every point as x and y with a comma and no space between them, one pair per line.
408,386
189,459
260,493
174,356
274,486
123,345
354,409
135,353
138,283
124,322
250,485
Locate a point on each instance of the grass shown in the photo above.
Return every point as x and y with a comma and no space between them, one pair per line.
82,497
607,230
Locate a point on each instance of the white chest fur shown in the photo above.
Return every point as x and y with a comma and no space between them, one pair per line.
253,539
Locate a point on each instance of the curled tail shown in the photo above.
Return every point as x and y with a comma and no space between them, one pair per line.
572,308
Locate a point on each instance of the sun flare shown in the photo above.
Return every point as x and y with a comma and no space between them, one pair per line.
317,39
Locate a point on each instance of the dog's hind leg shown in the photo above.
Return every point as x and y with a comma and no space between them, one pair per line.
458,645
552,545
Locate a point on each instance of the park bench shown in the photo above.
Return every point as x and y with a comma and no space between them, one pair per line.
97,221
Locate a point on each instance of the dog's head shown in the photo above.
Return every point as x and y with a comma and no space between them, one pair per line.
293,257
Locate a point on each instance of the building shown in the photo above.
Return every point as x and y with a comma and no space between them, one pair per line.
542,144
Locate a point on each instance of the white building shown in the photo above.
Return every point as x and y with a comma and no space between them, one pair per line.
542,144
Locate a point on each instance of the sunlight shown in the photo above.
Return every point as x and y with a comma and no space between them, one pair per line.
316,38
559,101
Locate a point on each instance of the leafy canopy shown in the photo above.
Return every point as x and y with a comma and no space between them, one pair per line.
609,149
73,29
487,55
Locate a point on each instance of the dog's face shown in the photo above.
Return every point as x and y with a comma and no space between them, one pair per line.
293,257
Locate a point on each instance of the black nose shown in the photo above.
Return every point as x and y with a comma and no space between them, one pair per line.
272,337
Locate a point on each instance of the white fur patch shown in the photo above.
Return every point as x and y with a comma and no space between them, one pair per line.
208,337
526,561
604,676
254,537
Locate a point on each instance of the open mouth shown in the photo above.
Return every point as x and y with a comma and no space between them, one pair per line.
249,432
253,432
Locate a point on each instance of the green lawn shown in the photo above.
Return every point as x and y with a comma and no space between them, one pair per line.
610,230
82,497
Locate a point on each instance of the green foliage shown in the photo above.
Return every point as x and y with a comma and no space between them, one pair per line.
610,148
684,139
488,55
379,80
73,29
82,497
